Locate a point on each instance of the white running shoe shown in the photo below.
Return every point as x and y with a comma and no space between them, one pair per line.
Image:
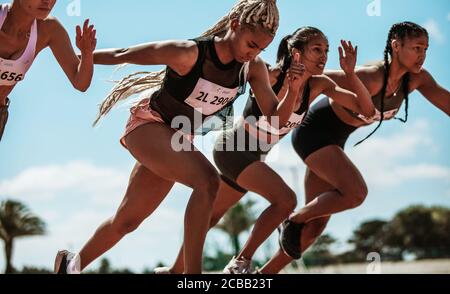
238,266
67,263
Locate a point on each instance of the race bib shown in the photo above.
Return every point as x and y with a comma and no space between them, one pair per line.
12,71
294,121
209,98
10,76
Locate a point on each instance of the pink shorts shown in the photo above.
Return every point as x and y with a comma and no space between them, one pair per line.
142,114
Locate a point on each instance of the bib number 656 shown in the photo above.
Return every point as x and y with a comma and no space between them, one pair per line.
11,76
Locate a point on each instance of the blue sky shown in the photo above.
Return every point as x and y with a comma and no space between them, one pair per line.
74,176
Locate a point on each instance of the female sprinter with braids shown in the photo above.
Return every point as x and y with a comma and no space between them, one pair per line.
203,77
25,30
333,183
243,168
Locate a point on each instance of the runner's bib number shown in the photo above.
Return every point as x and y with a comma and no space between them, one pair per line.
209,98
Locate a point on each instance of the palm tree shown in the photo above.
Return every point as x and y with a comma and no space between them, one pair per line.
238,220
17,221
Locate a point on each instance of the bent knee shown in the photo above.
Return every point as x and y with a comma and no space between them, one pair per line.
354,193
208,184
215,219
286,200
359,196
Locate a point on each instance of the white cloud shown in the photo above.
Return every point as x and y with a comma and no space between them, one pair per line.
435,32
385,162
72,221
423,171
49,182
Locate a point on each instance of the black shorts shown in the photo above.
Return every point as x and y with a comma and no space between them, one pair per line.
231,162
321,128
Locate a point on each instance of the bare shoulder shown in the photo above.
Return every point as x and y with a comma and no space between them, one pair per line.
184,52
184,45
371,69
318,84
371,72
423,76
321,82
188,48
257,67
51,25
49,29
257,62
372,77
181,47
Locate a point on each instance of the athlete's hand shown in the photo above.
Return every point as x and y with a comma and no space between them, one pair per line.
348,56
85,39
296,73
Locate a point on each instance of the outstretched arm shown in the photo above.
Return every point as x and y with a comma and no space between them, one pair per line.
78,70
435,93
178,55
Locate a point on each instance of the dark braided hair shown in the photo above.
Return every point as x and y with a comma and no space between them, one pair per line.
299,39
398,31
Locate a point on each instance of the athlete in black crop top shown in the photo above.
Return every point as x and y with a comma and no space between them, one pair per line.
332,182
243,168
197,71
196,93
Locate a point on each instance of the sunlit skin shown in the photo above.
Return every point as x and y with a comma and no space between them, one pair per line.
409,55
282,199
315,55
247,43
158,169
15,33
37,9
332,182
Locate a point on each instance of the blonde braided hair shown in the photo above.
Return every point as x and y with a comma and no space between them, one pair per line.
263,13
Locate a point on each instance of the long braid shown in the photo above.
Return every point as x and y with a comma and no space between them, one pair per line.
398,31
249,12
128,86
387,52
405,90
